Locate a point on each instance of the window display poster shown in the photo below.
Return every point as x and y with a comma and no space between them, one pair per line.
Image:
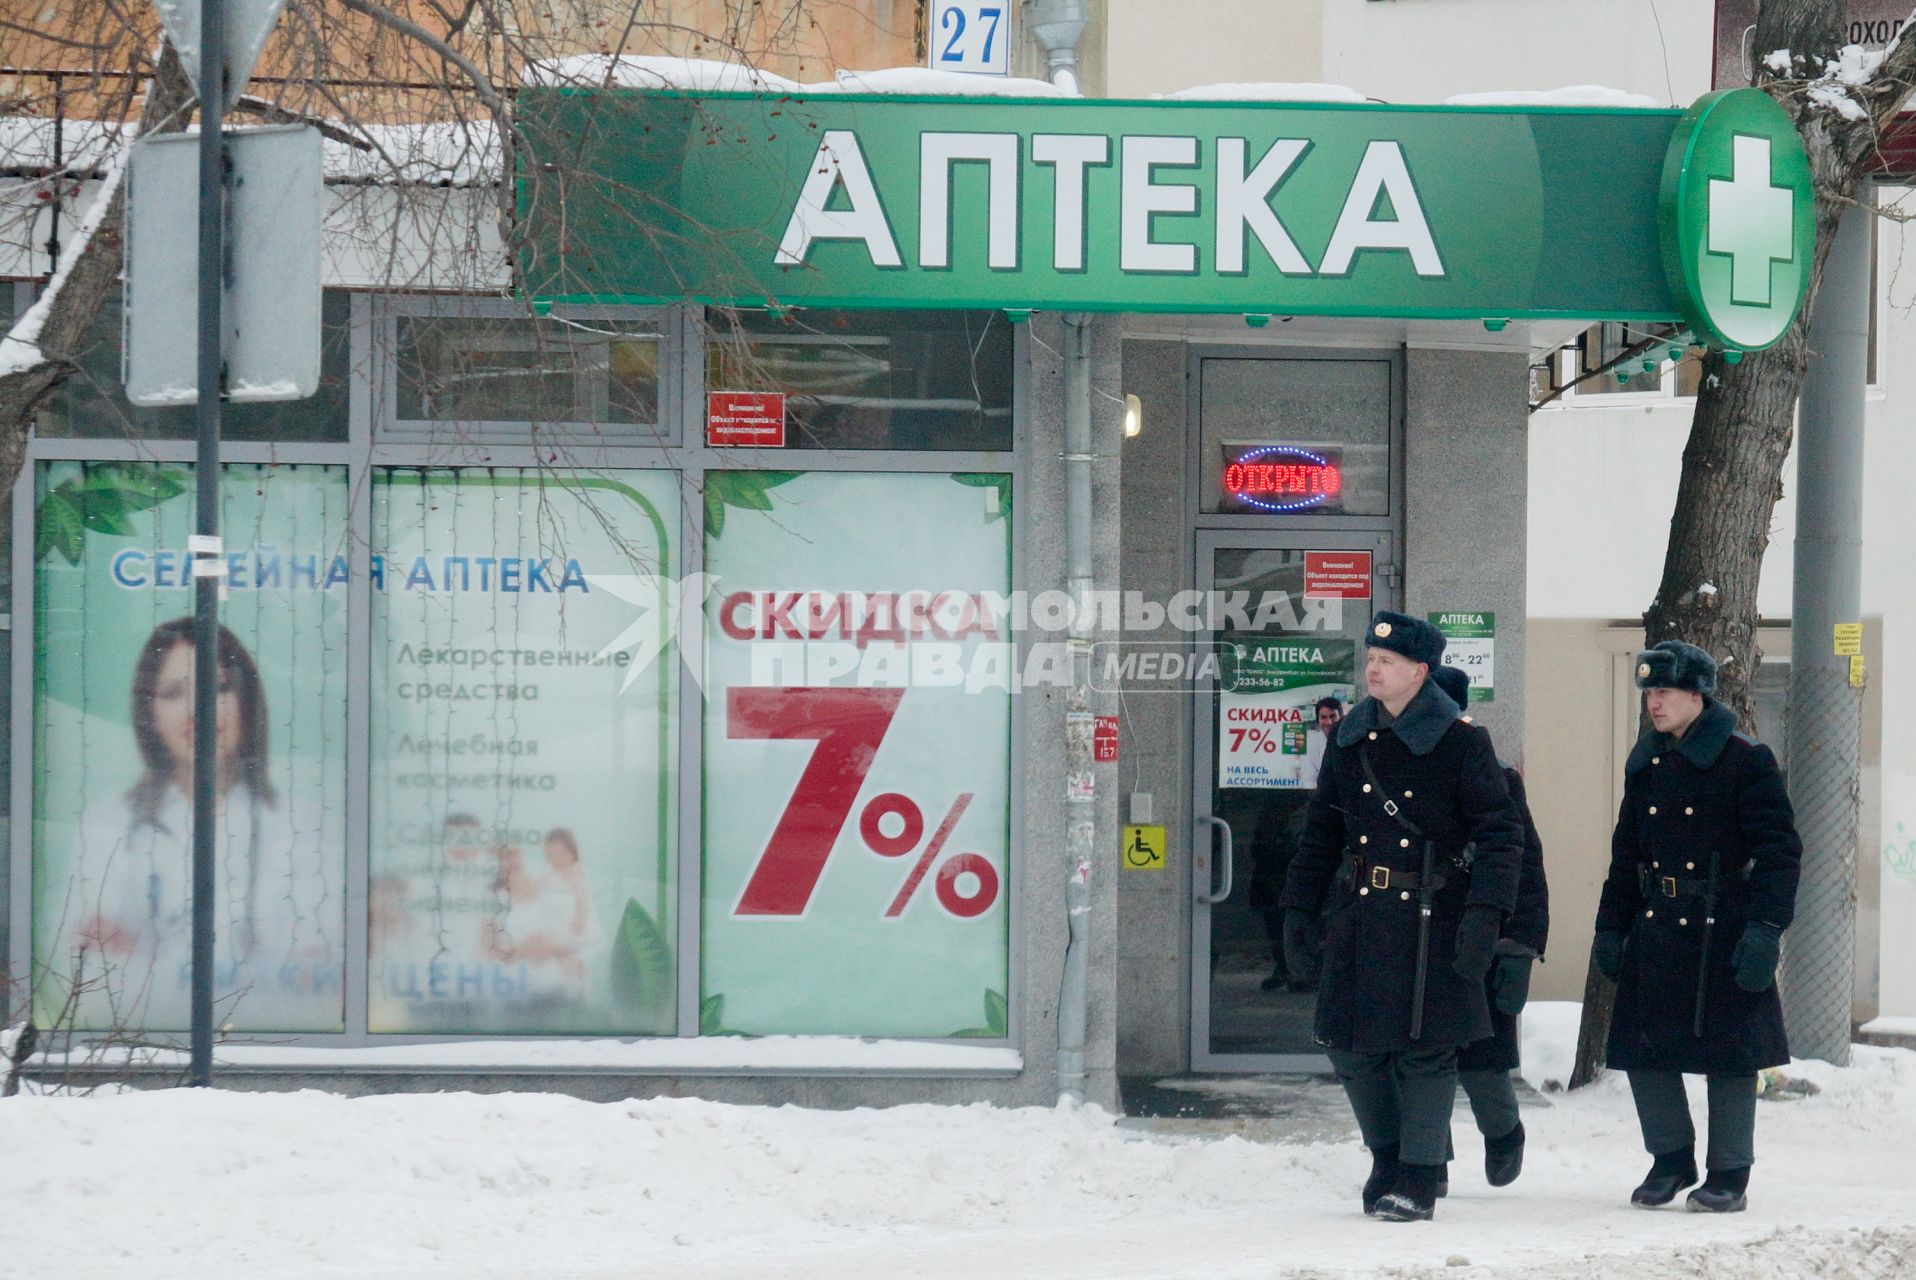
857,754
1268,689
523,772
113,775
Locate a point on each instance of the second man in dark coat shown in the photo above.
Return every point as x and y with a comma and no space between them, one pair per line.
1702,884
1483,1068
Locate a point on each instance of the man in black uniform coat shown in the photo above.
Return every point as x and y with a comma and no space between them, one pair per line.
1484,1067
1702,885
1406,785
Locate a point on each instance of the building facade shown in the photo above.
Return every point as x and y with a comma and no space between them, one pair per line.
603,729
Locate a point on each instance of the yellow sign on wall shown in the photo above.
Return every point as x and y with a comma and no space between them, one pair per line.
1856,671
1143,849
1848,640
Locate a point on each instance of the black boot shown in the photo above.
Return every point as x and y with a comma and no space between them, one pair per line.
1278,979
1414,1198
1722,1192
1503,1157
1443,1180
1383,1176
1672,1171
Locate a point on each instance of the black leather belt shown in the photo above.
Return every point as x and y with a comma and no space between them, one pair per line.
1649,883
1375,875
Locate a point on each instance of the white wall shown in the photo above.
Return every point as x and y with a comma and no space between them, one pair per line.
1153,47
1426,50
1411,50
1603,482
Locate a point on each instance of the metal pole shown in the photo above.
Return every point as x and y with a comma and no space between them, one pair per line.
206,620
1825,712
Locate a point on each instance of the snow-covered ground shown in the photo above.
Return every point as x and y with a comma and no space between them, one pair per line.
218,1186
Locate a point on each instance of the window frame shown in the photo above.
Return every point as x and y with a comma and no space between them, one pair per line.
372,444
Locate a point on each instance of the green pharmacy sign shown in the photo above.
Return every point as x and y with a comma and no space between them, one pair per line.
844,200
1738,219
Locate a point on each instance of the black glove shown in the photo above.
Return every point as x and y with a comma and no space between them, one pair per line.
1300,945
1608,953
1511,983
1755,956
1477,935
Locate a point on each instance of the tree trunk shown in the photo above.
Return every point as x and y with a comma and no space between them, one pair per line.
94,276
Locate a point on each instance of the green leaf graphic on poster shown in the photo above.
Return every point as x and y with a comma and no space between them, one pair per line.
642,964
990,480
59,527
748,489
997,1020
712,1017
100,501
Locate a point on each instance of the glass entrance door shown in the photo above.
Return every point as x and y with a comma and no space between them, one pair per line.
1290,611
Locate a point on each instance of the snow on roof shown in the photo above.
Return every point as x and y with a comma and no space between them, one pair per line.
26,142
459,153
922,80
455,152
1267,92
20,349
700,75
631,71
1579,95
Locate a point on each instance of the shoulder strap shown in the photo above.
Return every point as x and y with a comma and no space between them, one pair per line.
1390,805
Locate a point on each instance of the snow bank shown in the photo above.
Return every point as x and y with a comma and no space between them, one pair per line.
1549,1039
810,1054
1272,92
1581,95
1890,1026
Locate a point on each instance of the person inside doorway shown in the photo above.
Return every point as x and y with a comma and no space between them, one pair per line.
1280,828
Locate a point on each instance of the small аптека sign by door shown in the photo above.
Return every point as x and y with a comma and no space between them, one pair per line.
745,419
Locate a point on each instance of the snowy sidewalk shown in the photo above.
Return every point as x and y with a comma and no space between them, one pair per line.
219,1186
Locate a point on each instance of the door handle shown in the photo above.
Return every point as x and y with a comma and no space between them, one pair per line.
1206,825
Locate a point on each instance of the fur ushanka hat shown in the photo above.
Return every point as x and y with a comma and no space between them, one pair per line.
1676,665
1400,633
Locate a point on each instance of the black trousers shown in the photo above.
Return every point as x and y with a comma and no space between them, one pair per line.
1493,1101
1663,1111
1402,1099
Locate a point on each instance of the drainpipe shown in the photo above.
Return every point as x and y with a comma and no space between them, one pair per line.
1057,26
1081,830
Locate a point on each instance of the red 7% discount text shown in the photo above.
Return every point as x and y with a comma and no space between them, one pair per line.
847,727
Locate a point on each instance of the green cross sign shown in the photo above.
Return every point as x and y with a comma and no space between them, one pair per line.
1736,219
1750,221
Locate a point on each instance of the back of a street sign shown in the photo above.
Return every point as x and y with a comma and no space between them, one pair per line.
272,300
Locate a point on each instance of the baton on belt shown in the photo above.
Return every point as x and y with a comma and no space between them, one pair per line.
1709,927
1426,891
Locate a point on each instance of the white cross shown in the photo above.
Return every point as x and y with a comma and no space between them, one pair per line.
1752,221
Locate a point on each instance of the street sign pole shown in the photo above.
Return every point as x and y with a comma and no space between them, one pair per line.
206,557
